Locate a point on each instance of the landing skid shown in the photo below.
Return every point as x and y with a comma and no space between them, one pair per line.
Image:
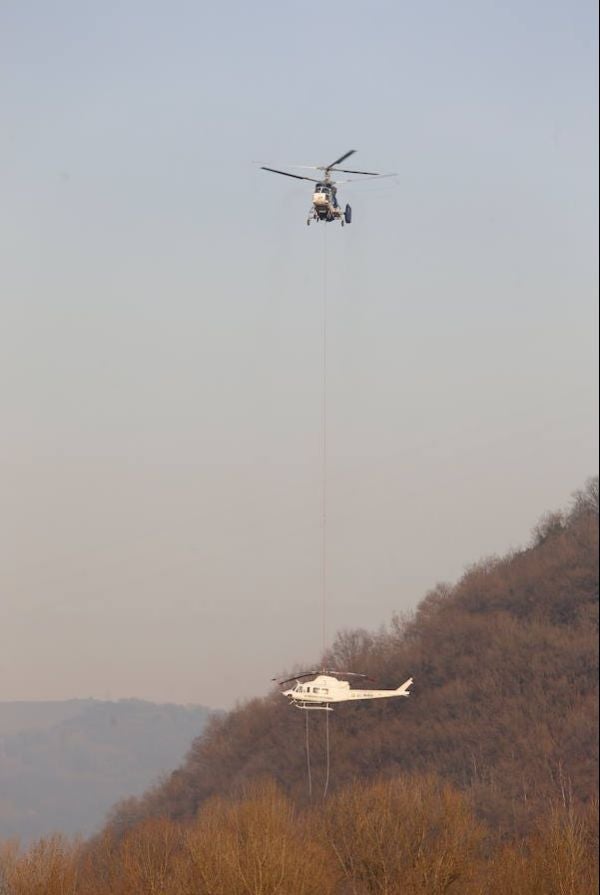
311,707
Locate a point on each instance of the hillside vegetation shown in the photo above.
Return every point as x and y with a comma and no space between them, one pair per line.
484,782
404,836
504,705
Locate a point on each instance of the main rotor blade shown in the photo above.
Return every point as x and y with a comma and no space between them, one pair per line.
348,171
351,674
291,165
364,179
295,677
308,167
324,671
340,159
287,174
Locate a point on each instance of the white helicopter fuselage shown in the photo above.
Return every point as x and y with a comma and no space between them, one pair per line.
321,198
324,689
324,203
325,206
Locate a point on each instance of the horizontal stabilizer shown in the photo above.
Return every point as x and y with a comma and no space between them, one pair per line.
404,688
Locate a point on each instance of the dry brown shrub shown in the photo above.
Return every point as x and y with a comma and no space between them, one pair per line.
257,846
561,858
100,865
49,867
147,859
403,835
9,852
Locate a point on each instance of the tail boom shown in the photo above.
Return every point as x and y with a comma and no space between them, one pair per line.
402,690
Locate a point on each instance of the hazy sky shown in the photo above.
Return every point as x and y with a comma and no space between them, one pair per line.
160,338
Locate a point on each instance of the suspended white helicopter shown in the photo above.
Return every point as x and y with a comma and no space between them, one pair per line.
325,688
325,206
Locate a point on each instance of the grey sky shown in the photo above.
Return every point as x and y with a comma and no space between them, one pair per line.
161,323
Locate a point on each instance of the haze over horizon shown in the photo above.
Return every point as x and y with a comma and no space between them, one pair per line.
161,339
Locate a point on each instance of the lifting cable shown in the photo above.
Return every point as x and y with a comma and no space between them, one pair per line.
324,495
326,786
327,754
324,455
308,758
323,529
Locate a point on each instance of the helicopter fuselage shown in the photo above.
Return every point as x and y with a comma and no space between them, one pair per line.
324,689
325,198
325,205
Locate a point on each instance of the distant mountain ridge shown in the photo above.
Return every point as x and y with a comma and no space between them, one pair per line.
63,764
18,716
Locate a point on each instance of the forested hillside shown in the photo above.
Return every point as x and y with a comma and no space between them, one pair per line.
484,782
504,705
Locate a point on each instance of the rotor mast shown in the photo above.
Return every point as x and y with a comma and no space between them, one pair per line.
329,168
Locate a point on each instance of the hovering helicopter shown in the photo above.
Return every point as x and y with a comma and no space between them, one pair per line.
325,206
325,688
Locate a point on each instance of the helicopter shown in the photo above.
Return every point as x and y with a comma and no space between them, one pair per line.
325,205
325,688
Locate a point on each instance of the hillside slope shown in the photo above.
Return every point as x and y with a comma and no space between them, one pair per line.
504,705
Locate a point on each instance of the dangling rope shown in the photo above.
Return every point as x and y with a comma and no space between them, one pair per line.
327,755
326,787
324,458
323,533
308,758
324,498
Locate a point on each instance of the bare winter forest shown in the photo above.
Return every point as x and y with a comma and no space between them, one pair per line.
484,781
